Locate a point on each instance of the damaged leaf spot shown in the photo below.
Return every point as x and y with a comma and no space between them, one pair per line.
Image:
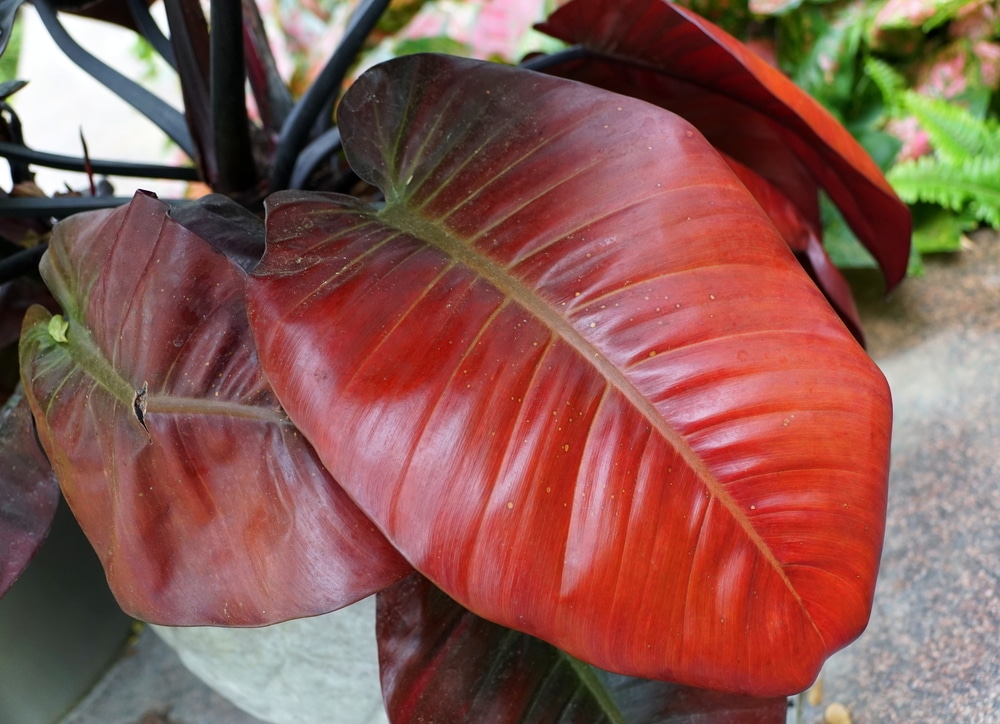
58,326
139,405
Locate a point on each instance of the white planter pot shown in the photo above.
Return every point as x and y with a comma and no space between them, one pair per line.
319,669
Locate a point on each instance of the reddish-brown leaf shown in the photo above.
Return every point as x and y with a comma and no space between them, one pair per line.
28,492
204,503
578,379
440,663
668,55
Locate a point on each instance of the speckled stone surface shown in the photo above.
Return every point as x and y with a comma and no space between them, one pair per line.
149,685
932,650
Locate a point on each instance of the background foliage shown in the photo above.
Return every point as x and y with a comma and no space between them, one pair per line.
903,76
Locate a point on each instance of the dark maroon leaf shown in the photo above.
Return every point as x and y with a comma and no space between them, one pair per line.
576,376
668,55
204,503
441,663
28,492
227,226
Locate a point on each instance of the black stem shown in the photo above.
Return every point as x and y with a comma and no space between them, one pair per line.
20,172
320,149
13,151
544,62
62,206
189,39
295,133
169,120
230,123
151,31
274,100
21,263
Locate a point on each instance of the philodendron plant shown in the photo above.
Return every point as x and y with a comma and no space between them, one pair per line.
569,383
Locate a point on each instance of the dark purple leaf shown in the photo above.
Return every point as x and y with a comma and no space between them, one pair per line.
441,663
28,492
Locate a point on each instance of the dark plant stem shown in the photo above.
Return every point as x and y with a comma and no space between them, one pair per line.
544,62
189,40
295,133
230,123
62,206
274,101
15,152
19,169
155,109
21,263
151,31
320,149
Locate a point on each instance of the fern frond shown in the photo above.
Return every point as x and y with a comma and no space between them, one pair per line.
889,83
972,185
955,134
944,12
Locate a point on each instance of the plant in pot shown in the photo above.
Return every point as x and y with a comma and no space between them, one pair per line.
550,359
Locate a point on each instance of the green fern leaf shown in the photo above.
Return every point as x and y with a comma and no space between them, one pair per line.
889,83
955,134
972,186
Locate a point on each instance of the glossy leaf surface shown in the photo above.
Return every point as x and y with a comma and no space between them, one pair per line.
441,663
577,378
205,505
29,493
804,240
668,55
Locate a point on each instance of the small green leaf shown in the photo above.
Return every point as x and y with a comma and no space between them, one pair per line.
58,328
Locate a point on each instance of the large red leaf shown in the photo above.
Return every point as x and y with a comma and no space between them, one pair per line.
204,503
803,239
578,379
667,54
28,492
441,663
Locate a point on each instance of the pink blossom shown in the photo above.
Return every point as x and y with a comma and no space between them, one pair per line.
914,138
975,21
988,55
904,13
945,77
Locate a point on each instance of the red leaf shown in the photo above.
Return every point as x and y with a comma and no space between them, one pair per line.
441,663
204,503
804,240
577,378
668,55
28,492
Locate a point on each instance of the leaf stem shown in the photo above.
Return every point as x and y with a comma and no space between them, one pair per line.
169,120
151,31
18,152
230,123
295,132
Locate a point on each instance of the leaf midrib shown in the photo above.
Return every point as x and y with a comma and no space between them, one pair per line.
403,218
89,357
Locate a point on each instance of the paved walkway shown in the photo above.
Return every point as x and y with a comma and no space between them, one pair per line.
932,650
